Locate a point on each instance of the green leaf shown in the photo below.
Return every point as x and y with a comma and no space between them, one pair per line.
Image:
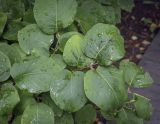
48,101
108,115
58,61
87,115
117,11
23,55
92,12
126,4
72,28
19,50
111,15
64,38
105,2
143,107
13,8
17,120
134,75
73,54
12,30
35,75
25,100
8,98
65,119
89,13
128,117
52,15
28,4
106,88
3,119
68,92
32,40
5,66
104,43
38,114
3,20
108,2
29,16
11,52
113,10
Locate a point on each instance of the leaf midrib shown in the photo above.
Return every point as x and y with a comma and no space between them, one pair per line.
101,75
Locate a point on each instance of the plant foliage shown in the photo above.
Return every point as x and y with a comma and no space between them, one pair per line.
61,62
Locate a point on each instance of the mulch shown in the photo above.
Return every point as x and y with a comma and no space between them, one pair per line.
136,28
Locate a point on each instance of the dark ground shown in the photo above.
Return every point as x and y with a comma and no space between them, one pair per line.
136,28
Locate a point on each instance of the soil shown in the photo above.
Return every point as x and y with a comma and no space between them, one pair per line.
136,28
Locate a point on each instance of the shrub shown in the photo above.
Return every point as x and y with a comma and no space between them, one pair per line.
61,61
